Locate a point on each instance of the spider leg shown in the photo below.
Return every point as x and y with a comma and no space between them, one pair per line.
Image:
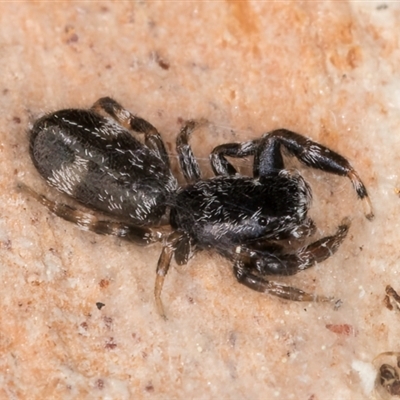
305,229
311,154
270,259
189,166
221,166
87,221
177,244
129,121
163,265
276,289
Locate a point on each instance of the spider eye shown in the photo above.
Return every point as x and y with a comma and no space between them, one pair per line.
262,221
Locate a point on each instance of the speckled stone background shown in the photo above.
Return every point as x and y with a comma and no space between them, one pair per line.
329,70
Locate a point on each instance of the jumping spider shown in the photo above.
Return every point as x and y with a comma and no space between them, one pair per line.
92,156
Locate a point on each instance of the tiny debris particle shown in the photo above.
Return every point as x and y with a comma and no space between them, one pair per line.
163,64
388,378
149,387
392,299
100,305
395,389
232,339
104,283
108,322
100,383
71,36
341,329
382,6
84,325
160,61
7,244
110,344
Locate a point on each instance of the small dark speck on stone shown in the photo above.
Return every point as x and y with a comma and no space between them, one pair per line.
382,6
100,384
17,120
100,305
163,64
7,244
104,283
84,325
232,339
73,38
149,387
110,344
108,322
160,61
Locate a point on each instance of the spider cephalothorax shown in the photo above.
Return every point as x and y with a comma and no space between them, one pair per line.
92,156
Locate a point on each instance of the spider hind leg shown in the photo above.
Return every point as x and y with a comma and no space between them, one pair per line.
152,138
90,222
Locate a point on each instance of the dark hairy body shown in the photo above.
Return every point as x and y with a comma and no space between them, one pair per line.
92,156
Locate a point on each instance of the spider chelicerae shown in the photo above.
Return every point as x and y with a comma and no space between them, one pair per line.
92,156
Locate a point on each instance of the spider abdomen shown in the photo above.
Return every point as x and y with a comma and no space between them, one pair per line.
100,164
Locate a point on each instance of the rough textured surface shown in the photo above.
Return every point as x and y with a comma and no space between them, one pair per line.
329,70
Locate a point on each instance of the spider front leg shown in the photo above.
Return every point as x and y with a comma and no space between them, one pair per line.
129,121
177,244
221,166
187,161
268,157
270,259
87,221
